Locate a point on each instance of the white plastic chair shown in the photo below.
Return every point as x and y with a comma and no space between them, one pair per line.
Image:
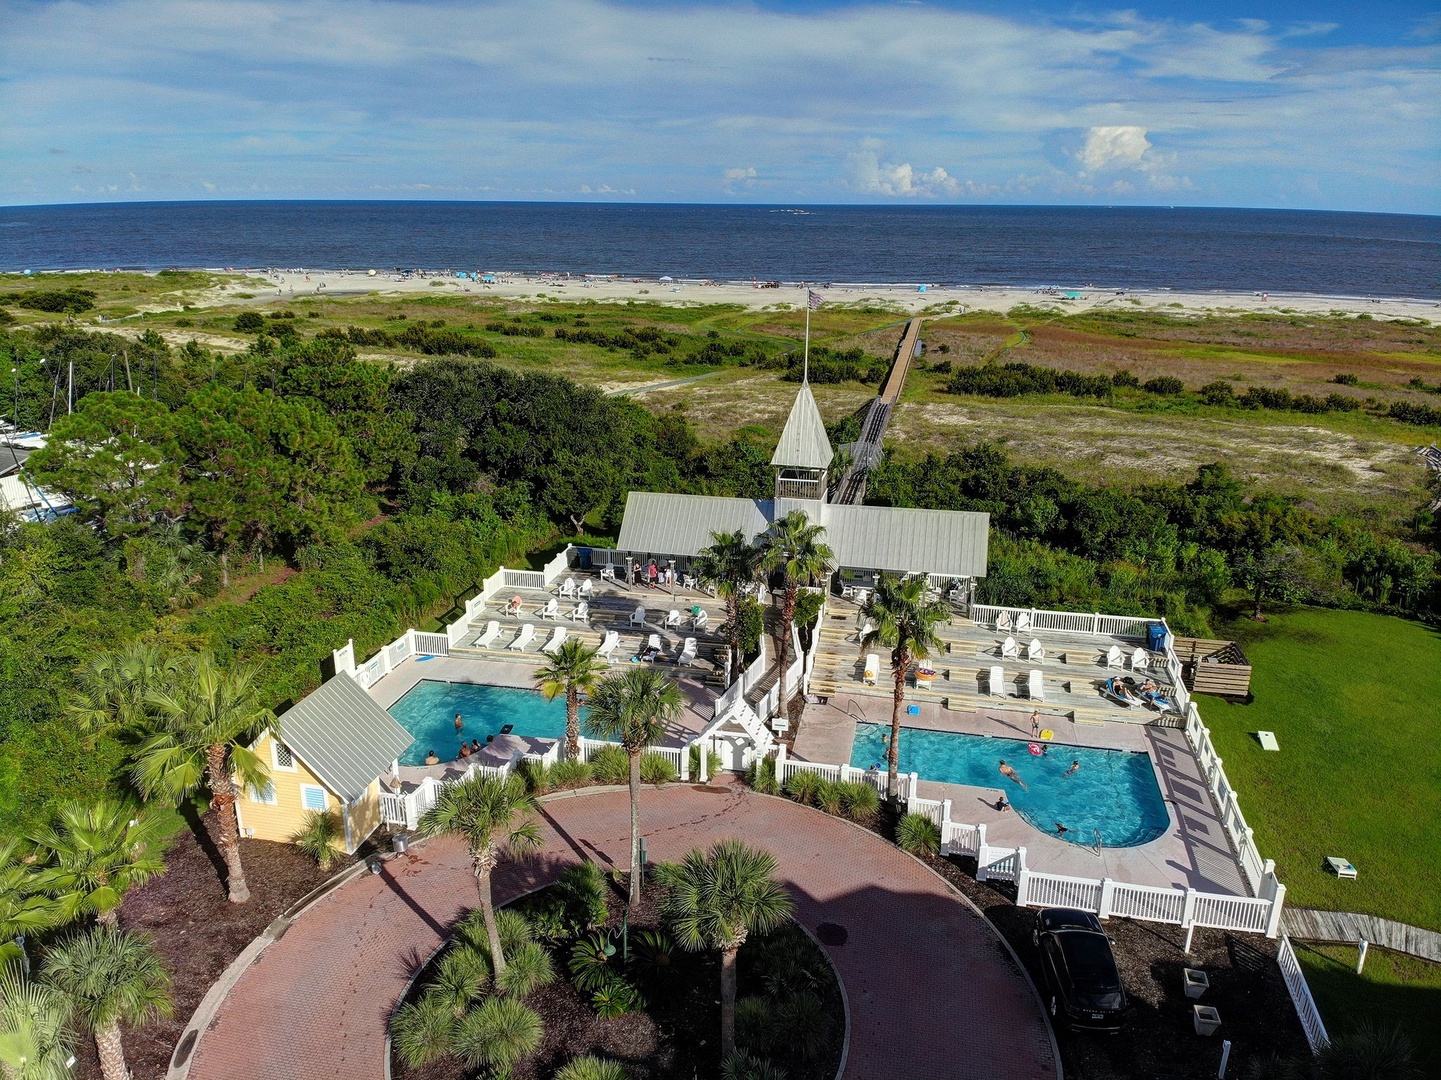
608,646
863,631
1023,623
556,640
581,613
1113,656
1010,650
492,628
586,588
700,620
1140,660
1035,687
1003,621
688,652
637,617
567,589
672,619
1035,652
522,639
873,669
549,610
997,682
607,572
653,642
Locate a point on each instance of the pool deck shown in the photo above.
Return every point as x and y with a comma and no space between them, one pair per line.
521,675
1193,853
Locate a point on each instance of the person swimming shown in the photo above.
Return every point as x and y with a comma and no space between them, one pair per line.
1075,765
459,724
432,758
1061,830
1011,774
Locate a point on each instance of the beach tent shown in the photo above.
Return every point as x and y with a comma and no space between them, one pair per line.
488,278
667,277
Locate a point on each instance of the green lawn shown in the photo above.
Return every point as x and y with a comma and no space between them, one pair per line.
1354,700
1393,989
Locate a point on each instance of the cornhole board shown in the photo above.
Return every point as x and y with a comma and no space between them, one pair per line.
1268,740
1342,868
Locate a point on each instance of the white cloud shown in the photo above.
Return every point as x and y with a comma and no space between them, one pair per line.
871,176
1120,146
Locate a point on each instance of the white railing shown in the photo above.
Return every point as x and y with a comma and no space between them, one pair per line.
1001,864
392,808
370,672
1145,902
786,767
1300,992
679,756
558,565
958,838
432,644
1241,836
1106,897
399,649
1054,890
523,579
1077,622
345,658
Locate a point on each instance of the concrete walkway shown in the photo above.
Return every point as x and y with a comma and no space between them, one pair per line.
932,991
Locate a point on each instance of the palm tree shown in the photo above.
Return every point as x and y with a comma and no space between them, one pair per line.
715,900
111,978
94,853
35,1032
22,909
489,814
796,549
206,719
572,670
731,564
634,708
905,621
113,688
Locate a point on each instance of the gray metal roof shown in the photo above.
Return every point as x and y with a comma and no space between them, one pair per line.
804,443
681,525
343,736
947,542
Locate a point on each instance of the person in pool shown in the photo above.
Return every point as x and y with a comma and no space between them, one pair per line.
1011,774
464,750
459,724
432,758
475,746
1075,765
1061,830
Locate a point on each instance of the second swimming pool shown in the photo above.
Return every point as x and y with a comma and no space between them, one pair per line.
428,711
1113,794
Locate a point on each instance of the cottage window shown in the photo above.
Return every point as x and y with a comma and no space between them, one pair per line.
264,794
312,797
284,759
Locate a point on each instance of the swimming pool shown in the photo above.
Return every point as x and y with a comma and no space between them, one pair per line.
1114,792
428,711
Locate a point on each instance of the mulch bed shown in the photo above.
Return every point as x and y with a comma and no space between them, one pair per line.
1159,1039
198,932
678,1035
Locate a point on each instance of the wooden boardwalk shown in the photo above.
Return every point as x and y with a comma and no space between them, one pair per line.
866,451
1307,924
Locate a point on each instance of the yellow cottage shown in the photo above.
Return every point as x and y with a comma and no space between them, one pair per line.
332,750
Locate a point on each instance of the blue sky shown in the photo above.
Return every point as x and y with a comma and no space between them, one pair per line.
1324,104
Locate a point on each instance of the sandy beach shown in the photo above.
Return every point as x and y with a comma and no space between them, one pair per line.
910,298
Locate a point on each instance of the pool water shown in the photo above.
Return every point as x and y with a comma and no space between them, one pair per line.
428,711
1113,793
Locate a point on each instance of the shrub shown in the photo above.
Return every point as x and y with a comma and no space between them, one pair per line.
512,926
1346,378
757,1024
59,301
803,1017
713,762
497,1034
743,1066
1167,385
527,967
918,834
944,367
571,773
1124,379
6,319
586,896
460,977
1421,415
653,956
421,1030
616,997
803,786
761,776
591,1067
610,765
657,769
249,321
317,838
590,961
861,801
830,796
1219,392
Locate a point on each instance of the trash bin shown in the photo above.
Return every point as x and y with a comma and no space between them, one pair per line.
1156,637
582,558
399,842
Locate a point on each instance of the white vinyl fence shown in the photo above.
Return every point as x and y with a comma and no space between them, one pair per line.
1242,838
1300,992
678,756
786,767
1076,622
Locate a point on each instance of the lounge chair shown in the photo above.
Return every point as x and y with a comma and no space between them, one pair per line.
873,669
1116,689
1035,688
672,619
864,632
1140,660
1003,621
1023,623
513,607
996,684
488,635
637,617
700,620
1035,652
556,640
581,613
688,652
608,646
586,588
653,642
550,610
522,639
1113,656
1010,650
607,572
567,589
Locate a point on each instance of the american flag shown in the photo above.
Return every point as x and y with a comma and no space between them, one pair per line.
813,299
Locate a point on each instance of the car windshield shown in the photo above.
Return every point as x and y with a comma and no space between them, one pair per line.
1088,959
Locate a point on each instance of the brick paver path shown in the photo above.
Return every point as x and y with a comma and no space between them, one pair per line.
932,992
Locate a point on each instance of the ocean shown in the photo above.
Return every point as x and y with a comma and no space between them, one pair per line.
1222,250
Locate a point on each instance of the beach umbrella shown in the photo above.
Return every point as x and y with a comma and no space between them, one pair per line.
667,277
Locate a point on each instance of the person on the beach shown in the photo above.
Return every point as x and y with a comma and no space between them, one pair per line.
1011,774
1035,725
459,723
1075,765
652,574
432,758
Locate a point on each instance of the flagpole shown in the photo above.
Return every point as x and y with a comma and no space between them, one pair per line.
806,363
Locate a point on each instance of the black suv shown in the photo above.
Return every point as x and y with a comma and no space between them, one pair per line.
1083,988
